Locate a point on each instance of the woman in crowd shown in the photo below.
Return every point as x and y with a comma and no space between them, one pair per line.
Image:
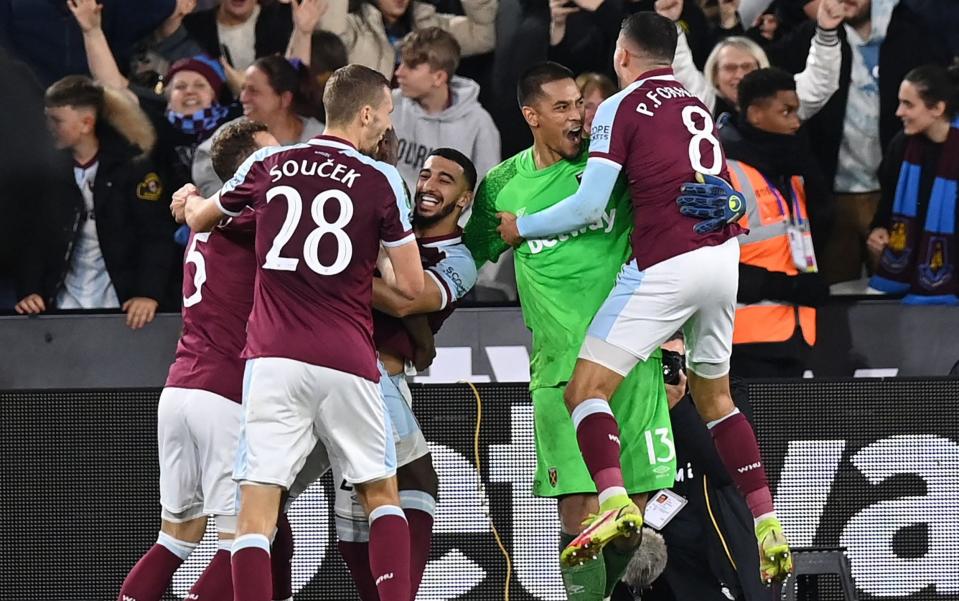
913,238
276,92
372,32
189,111
595,88
734,57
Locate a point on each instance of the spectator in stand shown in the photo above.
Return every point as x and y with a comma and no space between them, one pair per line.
42,34
243,30
914,232
734,57
187,113
582,33
155,54
434,108
28,164
595,88
880,43
780,182
276,92
108,244
374,30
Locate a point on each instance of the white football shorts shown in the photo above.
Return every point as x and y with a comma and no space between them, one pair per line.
290,405
197,433
694,291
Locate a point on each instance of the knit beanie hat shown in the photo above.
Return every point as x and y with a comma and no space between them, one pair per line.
209,68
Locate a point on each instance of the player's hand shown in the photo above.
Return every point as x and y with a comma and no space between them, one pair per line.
307,14
140,311
671,9
508,230
713,200
830,14
87,13
31,305
178,204
423,357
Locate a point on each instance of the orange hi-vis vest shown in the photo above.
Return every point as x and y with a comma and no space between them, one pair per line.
767,245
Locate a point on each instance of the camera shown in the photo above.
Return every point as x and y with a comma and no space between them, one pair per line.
673,363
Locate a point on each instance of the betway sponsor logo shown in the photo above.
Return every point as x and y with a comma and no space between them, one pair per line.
605,223
749,468
384,578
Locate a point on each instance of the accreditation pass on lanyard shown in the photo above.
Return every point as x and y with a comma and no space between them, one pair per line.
797,231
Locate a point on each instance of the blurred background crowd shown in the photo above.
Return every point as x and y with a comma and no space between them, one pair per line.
108,107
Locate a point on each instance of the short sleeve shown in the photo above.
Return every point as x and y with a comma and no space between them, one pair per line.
395,229
455,274
609,136
241,190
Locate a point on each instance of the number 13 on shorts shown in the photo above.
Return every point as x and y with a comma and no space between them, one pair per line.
659,445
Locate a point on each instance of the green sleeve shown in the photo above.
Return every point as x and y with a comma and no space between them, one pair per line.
480,236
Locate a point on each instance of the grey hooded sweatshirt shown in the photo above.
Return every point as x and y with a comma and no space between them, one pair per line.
465,126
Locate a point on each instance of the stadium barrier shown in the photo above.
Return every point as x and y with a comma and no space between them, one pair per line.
868,464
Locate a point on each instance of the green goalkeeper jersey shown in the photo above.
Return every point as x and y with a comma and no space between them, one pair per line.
563,280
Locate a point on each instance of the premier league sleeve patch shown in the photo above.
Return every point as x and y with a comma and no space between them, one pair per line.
151,188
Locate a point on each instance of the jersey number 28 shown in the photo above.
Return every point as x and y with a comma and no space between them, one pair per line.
700,135
294,209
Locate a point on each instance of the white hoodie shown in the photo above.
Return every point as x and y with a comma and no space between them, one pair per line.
465,126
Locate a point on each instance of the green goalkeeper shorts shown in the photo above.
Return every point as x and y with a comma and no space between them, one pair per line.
648,454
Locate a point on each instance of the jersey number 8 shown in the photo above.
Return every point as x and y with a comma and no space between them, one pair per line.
294,209
700,135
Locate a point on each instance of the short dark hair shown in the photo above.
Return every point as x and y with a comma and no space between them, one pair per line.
233,144
451,154
652,34
531,82
763,84
349,89
935,84
327,52
434,46
76,91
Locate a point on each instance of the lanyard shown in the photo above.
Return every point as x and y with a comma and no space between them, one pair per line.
795,216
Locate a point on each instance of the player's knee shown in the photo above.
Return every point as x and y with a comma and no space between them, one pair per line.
189,530
259,506
378,493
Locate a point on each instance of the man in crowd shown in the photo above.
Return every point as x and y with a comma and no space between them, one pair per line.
109,242
683,275
314,275
436,108
402,329
562,281
779,280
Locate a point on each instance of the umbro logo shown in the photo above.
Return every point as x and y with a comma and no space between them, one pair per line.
127,598
615,439
384,578
749,468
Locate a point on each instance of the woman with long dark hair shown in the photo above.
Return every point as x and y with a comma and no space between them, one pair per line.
913,239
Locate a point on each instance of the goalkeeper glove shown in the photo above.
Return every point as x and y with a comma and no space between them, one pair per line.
712,200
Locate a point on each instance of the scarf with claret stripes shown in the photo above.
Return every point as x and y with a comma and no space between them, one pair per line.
920,258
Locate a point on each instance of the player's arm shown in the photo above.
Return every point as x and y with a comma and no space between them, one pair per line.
203,214
388,300
576,211
424,345
480,235
408,278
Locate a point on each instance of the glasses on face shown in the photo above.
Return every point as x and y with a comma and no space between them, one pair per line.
731,68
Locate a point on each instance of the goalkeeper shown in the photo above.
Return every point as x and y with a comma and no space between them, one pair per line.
562,281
